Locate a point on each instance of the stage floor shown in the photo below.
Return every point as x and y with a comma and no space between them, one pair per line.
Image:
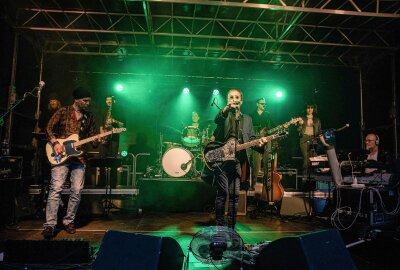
380,253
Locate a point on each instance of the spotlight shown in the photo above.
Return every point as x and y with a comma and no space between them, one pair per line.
216,92
124,153
186,90
119,87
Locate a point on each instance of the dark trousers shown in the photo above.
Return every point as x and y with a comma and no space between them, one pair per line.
307,150
228,183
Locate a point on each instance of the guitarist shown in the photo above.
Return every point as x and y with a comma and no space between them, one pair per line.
68,120
262,122
231,123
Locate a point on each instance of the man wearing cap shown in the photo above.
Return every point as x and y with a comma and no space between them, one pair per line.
72,119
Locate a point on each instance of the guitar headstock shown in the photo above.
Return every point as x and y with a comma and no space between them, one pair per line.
281,133
118,130
295,120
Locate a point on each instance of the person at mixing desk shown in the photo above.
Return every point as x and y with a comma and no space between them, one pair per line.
378,159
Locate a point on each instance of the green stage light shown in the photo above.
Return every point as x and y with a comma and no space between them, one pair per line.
119,87
216,92
278,94
124,153
186,90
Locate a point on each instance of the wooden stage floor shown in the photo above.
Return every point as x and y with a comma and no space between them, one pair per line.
380,253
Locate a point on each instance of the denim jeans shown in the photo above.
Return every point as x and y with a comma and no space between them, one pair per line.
58,176
228,182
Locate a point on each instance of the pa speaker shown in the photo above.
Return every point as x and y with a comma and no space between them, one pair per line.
46,252
319,250
123,251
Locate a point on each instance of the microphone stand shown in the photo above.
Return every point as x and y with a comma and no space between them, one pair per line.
16,103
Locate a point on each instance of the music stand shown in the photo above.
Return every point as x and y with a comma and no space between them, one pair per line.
107,163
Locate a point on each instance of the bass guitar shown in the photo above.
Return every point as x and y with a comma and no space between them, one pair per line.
217,153
71,144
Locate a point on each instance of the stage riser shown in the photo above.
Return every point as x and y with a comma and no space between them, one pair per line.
175,196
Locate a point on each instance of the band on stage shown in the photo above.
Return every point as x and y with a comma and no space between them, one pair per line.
234,151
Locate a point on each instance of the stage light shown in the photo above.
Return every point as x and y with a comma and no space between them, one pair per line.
124,153
119,87
186,90
278,94
216,92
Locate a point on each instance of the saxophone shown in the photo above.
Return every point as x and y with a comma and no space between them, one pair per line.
107,124
109,119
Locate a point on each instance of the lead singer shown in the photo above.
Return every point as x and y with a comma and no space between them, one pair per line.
231,123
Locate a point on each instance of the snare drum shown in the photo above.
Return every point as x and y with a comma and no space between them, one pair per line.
191,136
177,162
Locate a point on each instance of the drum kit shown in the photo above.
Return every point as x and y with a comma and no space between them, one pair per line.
186,157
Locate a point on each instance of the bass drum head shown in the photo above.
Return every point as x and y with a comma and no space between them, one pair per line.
177,162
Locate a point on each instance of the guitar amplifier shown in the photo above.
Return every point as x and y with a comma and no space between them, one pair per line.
242,205
10,167
289,178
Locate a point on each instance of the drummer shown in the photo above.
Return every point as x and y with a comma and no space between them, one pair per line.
195,120
203,127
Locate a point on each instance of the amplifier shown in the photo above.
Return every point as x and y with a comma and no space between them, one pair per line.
242,204
10,167
289,178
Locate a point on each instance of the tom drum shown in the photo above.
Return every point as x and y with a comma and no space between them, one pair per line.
191,136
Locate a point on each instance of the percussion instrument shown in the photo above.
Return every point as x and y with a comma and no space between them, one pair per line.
190,136
177,161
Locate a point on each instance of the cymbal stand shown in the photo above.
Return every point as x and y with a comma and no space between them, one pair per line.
159,165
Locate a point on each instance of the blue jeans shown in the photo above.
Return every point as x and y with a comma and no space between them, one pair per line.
58,176
228,182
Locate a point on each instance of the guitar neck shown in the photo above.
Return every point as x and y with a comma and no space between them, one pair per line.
272,130
87,140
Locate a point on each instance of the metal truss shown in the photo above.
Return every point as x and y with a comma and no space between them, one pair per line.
282,32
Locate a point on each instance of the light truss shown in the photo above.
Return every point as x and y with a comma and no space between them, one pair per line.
331,33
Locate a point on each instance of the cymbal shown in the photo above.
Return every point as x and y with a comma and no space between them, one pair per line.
170,144
206,123
169,129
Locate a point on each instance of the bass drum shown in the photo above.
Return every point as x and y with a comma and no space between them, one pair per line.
177,162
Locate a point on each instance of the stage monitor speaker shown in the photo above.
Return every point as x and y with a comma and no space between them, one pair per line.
295,206
123,251
319,250
47,252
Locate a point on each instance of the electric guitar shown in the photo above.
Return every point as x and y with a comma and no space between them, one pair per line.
282,126
71,144
217,153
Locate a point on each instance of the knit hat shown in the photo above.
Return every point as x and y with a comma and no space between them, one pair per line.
81,92
53,96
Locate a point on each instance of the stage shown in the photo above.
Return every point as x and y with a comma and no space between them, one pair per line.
267,226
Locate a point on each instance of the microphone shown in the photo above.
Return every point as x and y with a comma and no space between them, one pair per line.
41,84
213,102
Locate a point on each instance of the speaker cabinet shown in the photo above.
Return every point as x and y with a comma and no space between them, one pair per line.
46,252
320,250
242,204
295,206
123,251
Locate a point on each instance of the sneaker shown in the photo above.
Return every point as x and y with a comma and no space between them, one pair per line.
70,228
48,232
